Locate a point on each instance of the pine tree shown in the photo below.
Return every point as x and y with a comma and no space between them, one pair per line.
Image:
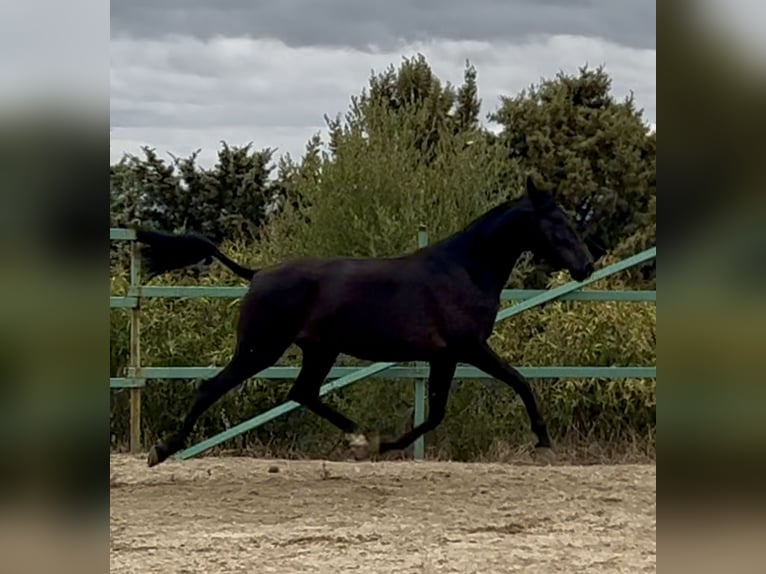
468,102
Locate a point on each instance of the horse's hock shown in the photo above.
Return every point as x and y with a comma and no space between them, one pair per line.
233,515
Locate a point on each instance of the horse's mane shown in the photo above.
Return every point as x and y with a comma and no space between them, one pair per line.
483,223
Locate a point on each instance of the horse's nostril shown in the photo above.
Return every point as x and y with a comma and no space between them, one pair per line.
584,272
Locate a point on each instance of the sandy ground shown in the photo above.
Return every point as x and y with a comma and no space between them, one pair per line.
216,515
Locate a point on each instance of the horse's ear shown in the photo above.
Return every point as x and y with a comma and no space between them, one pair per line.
541,200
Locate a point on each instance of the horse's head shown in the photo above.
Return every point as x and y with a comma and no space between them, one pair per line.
554,238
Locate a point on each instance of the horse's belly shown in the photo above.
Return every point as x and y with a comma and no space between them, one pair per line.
377,333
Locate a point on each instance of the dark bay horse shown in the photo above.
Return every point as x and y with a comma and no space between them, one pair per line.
436,305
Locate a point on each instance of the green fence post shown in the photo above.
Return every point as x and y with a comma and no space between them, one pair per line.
420,384
135,349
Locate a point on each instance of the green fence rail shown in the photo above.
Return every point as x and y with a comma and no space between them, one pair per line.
136,375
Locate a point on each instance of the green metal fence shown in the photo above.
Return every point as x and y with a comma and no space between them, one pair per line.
136,375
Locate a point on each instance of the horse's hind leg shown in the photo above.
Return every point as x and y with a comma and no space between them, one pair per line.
439,383
317,363
247,361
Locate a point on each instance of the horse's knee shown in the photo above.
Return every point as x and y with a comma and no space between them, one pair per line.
204,386
301,395
430,425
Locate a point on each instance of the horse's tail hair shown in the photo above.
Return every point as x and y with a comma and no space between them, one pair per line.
163,252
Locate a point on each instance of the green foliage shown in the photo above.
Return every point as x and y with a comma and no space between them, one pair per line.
468,102
424,108
378,183
229,200
593,150
408,152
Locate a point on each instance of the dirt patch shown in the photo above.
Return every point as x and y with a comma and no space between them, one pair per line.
232,515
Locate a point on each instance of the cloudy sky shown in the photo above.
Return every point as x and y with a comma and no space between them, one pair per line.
186,74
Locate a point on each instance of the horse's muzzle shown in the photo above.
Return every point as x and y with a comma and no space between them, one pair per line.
583,273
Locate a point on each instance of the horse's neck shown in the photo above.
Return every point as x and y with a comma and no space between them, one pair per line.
490,252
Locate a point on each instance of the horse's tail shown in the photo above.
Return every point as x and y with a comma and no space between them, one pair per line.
163,252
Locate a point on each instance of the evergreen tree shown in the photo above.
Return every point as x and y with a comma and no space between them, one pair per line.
468,102
229,200
595,152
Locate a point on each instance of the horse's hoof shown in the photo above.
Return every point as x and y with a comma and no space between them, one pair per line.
360,446
543,444
154,457
374,442
545,454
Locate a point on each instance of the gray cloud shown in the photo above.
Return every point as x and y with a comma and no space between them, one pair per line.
186,74
180,94
388,25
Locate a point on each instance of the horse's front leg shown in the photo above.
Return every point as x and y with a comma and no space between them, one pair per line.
484,358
